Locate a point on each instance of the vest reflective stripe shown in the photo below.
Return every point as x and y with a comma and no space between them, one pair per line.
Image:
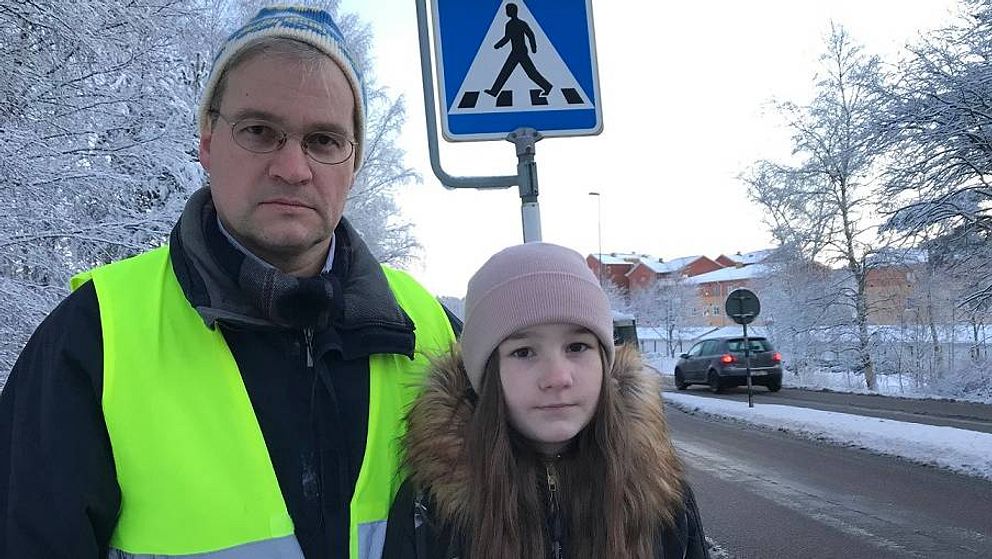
194,472
371,539
280,548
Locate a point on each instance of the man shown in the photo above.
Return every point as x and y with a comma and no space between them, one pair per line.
240,392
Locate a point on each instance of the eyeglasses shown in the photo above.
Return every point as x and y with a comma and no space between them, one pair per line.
261,136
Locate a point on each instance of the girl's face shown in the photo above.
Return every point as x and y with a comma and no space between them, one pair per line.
551,376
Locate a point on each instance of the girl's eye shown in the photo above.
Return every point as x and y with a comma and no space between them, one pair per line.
578,347
522,352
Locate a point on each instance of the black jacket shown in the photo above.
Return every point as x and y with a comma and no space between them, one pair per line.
415,532
59,496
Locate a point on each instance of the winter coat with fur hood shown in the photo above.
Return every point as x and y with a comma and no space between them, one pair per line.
432,511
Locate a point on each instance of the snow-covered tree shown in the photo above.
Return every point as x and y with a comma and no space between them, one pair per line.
822,201
668,305
961,264
938,113
618,296
96,141
800,309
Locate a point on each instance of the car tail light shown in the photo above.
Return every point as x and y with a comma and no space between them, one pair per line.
726,359
777,357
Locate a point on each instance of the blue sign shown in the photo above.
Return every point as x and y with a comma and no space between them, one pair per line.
507,64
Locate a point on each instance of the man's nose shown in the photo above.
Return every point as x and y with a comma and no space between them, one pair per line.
290,163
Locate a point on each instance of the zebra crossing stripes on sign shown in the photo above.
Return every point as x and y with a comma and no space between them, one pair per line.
507,64
535,99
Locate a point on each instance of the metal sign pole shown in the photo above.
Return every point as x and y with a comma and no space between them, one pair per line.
743,307
530,212
523,139
747,365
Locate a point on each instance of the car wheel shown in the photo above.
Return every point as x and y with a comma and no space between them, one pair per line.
714,382
774,386
680,382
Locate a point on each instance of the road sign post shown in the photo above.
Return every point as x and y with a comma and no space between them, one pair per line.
743,307
518,70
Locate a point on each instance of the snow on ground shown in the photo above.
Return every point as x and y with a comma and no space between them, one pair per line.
970,385
967,452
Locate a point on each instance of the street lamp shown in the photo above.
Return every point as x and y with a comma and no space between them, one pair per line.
599,228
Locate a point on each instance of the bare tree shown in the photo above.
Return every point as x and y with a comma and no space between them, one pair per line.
667,304
618,296
823,201
938,115
94,162
960,261
800,308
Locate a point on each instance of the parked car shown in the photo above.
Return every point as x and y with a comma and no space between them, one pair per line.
719,362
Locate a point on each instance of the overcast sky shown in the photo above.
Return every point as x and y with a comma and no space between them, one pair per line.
684,88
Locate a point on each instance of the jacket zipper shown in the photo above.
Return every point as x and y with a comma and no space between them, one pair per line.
308,337
554,509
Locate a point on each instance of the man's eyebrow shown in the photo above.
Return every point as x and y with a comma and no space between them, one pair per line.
256,113
271,117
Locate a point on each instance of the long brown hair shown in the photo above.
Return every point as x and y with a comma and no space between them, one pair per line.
507,516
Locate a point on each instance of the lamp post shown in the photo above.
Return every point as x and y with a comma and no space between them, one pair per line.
599,229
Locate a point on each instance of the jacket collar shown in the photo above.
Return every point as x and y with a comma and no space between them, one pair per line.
226,286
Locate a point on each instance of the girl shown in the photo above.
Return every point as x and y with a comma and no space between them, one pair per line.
539,439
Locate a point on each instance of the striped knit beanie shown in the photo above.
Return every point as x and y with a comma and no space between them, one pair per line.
307,25
526,285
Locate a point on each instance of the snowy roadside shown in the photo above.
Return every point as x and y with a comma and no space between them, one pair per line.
966,452
968,386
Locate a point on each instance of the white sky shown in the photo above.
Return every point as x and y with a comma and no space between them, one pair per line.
684,88
967,452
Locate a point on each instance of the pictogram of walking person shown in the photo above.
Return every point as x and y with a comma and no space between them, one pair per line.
515,32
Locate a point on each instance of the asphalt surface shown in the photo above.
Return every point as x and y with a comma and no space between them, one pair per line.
947,413
765,494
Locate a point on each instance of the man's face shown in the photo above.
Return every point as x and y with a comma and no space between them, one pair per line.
283,206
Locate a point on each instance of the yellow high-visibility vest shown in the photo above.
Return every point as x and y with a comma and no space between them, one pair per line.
194,472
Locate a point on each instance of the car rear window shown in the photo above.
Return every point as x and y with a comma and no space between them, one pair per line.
756,345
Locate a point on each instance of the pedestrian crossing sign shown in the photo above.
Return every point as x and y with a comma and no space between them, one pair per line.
508,64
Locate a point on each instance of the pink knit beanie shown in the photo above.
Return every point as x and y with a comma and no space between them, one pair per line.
526,285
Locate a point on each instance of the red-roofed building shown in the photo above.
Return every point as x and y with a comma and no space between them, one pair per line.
615,267
649,270
715,286
745,259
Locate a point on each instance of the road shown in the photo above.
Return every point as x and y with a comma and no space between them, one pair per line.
963,415
768,495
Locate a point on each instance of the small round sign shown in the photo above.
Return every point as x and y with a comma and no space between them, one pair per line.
742,306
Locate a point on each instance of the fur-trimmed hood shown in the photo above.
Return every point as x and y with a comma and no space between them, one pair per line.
437,422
